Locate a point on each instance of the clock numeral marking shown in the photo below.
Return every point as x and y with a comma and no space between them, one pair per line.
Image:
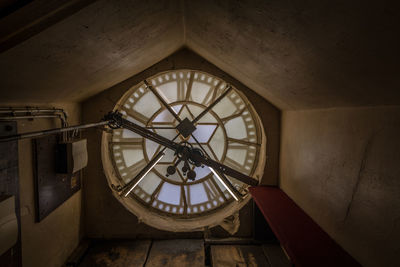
189,87
183,199
212,179
136,142
215,91
210,190
156,192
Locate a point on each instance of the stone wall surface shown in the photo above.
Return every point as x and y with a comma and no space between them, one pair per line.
342,167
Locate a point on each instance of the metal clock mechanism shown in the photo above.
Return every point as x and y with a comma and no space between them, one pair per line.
191,157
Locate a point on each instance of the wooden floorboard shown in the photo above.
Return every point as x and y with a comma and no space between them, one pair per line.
238,256
182,253
275,255
117,254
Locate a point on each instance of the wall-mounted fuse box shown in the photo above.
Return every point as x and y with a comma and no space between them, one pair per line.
71,156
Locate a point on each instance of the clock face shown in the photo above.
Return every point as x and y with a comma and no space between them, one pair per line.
229,133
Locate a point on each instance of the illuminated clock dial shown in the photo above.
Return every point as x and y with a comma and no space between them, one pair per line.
230,133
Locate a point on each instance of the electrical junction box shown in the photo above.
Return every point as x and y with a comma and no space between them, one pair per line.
71,156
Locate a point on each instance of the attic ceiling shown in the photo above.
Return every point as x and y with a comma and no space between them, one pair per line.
296,54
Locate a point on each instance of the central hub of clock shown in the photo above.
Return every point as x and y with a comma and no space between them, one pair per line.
186,128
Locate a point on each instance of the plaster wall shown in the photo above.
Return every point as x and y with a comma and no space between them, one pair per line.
114,221
51,241
342,167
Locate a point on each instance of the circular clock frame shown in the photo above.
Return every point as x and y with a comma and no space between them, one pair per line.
194,91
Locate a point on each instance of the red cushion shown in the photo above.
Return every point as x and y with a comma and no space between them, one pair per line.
304,241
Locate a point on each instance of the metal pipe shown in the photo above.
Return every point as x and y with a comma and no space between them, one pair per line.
34,113
33,109
52,131
30,117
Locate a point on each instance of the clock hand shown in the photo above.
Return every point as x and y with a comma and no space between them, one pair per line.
220,174
228,185
221,168
117,121
159,97
127,189
229,88
171,169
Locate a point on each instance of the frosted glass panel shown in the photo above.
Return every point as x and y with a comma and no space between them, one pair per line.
196,110
150,183
132,155
144,107
168,91
203,132
170,194
236,128
197,194
199,91
185,114
151,148
225,108
238,155
164,116
129,134
177,108
217,143
208,118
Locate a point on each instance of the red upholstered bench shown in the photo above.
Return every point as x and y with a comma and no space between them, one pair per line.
306,244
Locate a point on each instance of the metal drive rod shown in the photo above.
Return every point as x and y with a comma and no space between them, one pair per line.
52,131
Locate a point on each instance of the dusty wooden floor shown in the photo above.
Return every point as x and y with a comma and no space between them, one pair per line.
181,253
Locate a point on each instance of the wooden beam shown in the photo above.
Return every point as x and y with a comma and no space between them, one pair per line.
35,17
